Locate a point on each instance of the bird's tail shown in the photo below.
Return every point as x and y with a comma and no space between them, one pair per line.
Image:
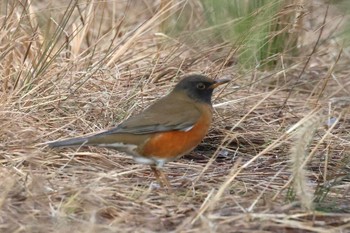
69,142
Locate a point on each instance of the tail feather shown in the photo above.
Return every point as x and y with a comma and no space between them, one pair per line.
69,142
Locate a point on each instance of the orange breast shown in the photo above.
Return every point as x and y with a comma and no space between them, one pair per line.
172,144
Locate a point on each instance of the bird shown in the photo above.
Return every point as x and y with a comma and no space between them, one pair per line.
169,128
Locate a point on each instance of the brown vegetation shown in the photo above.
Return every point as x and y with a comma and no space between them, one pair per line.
74,68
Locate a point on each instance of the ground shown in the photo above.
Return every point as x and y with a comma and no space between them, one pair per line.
275,160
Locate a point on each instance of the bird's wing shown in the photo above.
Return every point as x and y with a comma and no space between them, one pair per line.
166,114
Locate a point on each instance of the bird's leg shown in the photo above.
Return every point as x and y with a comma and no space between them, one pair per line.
161,177
165,179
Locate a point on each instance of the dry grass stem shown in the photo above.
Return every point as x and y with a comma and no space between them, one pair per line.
70,68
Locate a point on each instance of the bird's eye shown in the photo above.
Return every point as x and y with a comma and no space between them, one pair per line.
200,86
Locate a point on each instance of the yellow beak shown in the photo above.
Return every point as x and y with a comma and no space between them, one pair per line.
218,83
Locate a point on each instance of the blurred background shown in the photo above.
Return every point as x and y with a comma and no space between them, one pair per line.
277,156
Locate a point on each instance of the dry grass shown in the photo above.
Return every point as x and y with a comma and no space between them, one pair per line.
73,68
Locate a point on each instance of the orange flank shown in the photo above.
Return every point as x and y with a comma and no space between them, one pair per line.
174,144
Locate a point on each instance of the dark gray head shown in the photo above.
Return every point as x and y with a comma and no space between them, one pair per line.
199,87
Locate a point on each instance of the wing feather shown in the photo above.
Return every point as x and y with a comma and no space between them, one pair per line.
166,114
